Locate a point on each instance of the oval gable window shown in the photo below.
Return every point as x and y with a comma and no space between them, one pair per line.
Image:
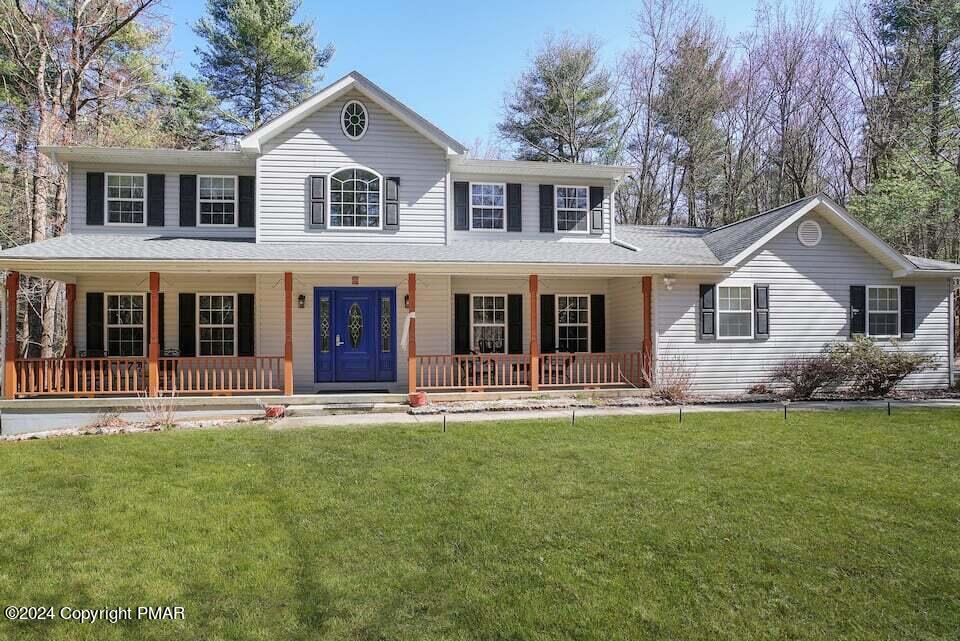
353,119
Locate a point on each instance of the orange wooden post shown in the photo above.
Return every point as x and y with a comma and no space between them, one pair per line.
646,362
70,349
412,335
288,334
10,352
153,353
534,336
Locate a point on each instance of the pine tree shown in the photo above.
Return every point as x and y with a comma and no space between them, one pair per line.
258,61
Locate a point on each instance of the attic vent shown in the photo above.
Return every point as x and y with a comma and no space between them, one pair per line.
353,119
809,233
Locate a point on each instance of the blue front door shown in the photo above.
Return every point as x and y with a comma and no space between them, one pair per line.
354,334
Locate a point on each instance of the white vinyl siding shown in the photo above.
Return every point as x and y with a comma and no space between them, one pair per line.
809,309
317,145
77,203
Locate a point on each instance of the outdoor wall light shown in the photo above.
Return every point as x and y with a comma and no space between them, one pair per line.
301,301
668,282
406,301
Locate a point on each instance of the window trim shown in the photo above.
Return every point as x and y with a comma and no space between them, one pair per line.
107,324
329,203
198,326
896,313
366,115
236,201
556,321
556,210
729,284
470,226
506,322
107,199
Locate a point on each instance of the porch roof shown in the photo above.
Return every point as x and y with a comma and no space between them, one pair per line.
666,249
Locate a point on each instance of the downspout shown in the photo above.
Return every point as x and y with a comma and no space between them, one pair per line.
613,218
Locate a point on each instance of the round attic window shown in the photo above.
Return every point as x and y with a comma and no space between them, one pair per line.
809,233
353,119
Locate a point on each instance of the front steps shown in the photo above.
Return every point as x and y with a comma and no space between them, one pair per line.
333,409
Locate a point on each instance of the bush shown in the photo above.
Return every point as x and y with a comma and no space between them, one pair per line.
873,371
804,376
671,379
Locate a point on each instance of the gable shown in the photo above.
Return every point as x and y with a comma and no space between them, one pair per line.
353,83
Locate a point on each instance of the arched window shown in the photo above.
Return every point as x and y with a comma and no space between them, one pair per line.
356,198
353,119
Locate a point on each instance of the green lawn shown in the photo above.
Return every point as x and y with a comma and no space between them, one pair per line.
729,526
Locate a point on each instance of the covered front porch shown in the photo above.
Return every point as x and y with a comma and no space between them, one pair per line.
442,337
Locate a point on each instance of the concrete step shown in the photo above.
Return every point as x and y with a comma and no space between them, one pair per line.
330,409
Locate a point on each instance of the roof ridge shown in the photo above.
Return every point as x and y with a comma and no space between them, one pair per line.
765,213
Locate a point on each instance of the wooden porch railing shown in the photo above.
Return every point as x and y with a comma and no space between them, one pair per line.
602,369
128,376
221,374
512,371
473,371
80,376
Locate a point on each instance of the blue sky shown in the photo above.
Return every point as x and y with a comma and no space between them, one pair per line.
452,61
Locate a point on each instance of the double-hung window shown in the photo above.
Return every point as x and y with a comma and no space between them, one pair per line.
488,206
126,324
572,209
734,311
488,327
217,324
217,200
883,311
573,323
126,199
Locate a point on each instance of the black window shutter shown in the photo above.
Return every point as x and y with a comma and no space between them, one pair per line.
187,317
155,187
514,209
908,311
461,206
761,306
159,322
245,325
546,209
858,310
391,199
598,323
707,313
188,200
548,324
596,210
515,324
94,198
95,321
247,216
461,323
316,205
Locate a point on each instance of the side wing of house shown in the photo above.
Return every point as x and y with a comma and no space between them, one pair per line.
792,298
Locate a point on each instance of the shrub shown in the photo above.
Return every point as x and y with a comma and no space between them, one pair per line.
872,370
804,376
671,379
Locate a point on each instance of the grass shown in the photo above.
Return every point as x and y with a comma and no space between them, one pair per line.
729,526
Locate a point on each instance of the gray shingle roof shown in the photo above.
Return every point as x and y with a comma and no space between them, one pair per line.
728,241
669,245
934,265
107,247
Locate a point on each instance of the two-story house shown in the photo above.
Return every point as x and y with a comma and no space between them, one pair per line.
350,244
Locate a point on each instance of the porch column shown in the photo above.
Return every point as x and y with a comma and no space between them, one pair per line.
534,336
288,333
412,335
10,352
647,354
153,352
70,349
